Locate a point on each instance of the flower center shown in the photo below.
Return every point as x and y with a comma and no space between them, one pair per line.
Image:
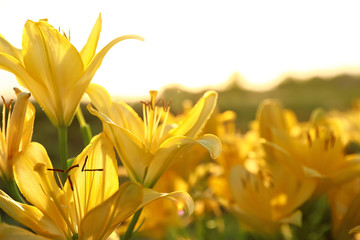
155,118
70,205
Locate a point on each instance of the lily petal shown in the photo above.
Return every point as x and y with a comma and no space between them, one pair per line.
197,117
28,123
181,197
100,98
120,112
6,47
36,182
49,57
29,216
122,205
132,152
12,65
55,63
95,179
172,149
348,170
88,51
8,232
16,125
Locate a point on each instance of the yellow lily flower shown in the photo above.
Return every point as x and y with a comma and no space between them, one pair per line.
91,192
90,205
265,201
263,193
52,69
312,149
16,132
148,147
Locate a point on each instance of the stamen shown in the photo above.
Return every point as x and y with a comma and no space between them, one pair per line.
158,101
83,167
94,170
72,167
49,190
332,140
71,184
153,95
164,123
64,34
3,116
145,103
4,102
155,113
145,121
326,144
77,204
317,133
309,139
167,108
87,170
9,116
55,170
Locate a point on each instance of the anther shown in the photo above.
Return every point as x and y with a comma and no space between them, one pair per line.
168,106
55,170
332,140
71,184
83,167
317,133
309,139
72,167
158,101
7,105
64,34
94,170
89,170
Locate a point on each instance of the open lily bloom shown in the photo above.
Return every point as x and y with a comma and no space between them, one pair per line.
148,147
16,131
89,206
51,68
91,192
313,149
265,201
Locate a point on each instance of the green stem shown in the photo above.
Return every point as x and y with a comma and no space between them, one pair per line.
85,128
130,229
63,149
14,192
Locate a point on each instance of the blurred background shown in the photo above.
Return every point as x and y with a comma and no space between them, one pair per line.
305,53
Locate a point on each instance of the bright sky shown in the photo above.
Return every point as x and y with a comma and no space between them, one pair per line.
200,43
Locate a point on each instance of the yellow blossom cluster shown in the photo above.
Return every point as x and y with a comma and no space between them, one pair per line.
84,198
199,159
